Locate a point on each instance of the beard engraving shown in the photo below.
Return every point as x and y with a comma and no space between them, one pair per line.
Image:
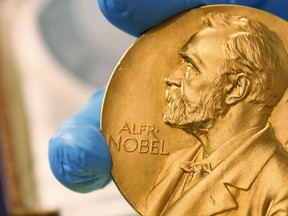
196,116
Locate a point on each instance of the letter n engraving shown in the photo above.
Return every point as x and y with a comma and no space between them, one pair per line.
114,143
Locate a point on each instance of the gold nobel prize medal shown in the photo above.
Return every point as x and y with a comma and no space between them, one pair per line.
195,115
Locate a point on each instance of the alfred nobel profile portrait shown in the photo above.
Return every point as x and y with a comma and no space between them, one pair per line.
232,72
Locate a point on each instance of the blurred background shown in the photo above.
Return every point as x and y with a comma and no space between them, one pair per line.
53,55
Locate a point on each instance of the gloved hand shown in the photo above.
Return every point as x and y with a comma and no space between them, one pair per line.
78,154
137,16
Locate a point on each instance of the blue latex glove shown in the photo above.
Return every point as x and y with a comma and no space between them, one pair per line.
78,154
137,16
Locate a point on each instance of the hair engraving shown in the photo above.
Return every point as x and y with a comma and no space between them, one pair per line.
232,73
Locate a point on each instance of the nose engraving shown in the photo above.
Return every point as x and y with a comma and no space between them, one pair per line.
175,78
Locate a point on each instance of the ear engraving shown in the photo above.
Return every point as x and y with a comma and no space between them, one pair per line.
238,90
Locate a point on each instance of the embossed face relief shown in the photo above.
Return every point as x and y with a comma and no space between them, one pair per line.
225,71
196,87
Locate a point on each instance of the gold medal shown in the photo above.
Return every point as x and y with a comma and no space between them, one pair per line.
195,115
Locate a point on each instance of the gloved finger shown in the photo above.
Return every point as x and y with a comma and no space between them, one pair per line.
79,157
137,16
278,7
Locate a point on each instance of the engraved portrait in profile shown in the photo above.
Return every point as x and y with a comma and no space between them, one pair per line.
231,75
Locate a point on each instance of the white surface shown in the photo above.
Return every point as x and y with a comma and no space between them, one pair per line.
50,97
81,38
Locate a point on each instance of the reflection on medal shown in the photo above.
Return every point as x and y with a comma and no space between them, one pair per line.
192,112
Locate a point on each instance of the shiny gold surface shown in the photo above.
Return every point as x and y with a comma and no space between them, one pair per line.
192,112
